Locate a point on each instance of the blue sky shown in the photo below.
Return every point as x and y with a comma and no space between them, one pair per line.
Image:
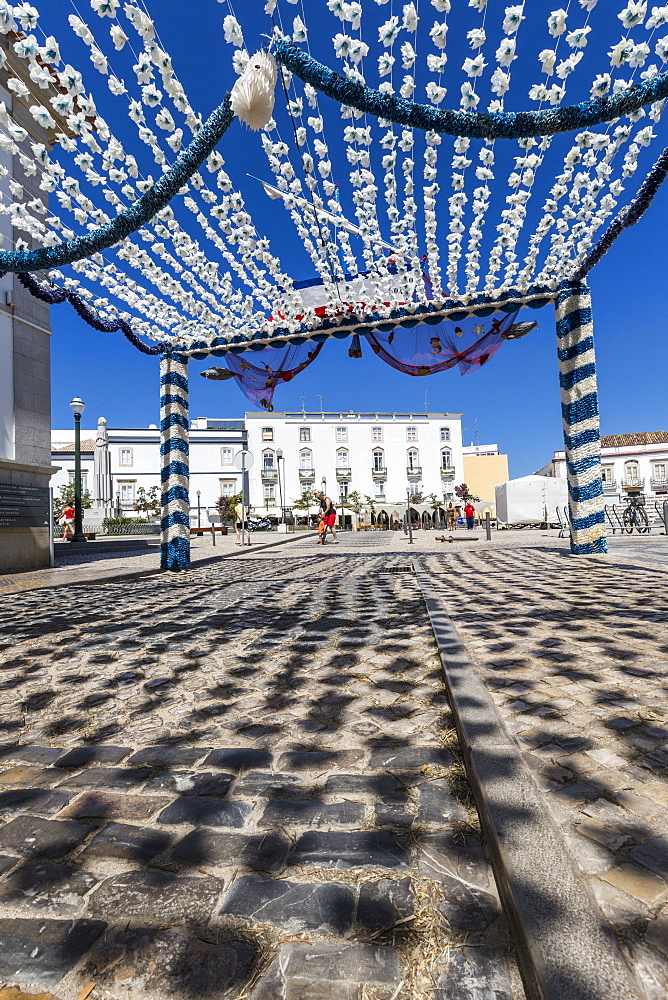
515,398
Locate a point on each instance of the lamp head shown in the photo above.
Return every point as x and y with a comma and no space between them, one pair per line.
77,406
279,454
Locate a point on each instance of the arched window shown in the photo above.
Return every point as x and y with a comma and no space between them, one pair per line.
268,460
305,459
378,460
631,472
446,458
413,458
342,458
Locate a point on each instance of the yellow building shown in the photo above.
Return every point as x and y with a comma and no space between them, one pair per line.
484,468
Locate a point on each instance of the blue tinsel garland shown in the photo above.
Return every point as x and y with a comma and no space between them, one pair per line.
628,216
54,295
128,221
474,124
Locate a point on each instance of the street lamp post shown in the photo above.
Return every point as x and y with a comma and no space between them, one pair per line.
77,407
198,507
408,515
279,459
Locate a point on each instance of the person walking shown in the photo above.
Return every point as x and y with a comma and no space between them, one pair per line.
451,515
67,520
328,515
241,521
469,514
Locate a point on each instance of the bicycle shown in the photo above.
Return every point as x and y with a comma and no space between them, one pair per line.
634,516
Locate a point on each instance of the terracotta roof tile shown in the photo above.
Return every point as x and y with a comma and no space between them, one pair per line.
626,440
88,444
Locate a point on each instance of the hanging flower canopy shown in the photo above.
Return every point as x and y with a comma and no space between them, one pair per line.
427,214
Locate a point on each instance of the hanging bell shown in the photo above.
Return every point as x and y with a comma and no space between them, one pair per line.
355,349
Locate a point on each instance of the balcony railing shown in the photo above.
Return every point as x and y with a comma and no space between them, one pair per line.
609,485
269,474
447,470
633,483
307,473
659,484
344,472
414,470
379,470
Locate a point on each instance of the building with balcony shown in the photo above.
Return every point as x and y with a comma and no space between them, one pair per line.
380,455
635,462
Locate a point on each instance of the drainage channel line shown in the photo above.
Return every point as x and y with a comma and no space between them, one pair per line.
564,949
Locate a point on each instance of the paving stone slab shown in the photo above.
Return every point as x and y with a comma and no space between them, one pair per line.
31,754
31,775
167,756
438,805
133,843
653,855
292,906
156,895
82,756
208,783
319,760
475,974
43,951
263,784
409,758
383,903
393,811
261,852
238,759
317,814
447,854
322,970
7,862
205,812
110,805
45,838
160,964
351,850
46,886
106,778
467,907
362,784
42,801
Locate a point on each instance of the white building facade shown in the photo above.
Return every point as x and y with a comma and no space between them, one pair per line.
380,455
638,461
135,462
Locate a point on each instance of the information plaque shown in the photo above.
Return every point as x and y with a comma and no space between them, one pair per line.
24,506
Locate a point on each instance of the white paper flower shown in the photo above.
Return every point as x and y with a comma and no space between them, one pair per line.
388,32
513,18
436,63
621,52
27,15
556,22
342,45
7,22
435,93
538,92
233,32
500,82
505,54
469,98
337,8
239,61
474,67
118,36
105,8
661,49
557,94
566,66
476,37
601,85
438,34
633,14
298,30
639,54
408,55
151,96
385,64
358,51
578,39
659,17
442,6
547,59
70,79
98,59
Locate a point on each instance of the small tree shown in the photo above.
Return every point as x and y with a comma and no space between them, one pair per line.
417,497
148,501
66,499
307,500
225,505
462,493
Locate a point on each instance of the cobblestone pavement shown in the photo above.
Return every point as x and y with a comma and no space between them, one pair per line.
575,650
240,782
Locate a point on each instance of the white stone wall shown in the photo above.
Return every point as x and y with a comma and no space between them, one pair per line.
621,462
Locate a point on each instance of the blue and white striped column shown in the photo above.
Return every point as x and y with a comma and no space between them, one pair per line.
580,418
175,523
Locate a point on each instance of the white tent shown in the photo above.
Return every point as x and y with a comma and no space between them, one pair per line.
531,500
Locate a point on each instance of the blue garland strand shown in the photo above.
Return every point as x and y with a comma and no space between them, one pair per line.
628,216
54,295
128,221
473,124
